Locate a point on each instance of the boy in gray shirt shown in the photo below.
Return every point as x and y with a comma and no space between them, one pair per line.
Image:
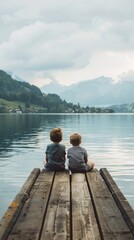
77,155
55,152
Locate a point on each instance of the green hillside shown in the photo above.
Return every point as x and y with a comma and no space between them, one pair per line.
13,90
18,107
17,96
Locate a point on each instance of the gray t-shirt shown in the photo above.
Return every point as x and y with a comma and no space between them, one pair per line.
76,156
55,154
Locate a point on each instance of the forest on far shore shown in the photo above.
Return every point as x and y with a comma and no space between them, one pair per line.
17,96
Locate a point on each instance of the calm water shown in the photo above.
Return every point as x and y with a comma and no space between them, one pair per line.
109,140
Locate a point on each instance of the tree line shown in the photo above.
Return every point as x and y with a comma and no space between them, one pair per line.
30,95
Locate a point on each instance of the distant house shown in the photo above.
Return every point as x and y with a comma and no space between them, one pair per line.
17,110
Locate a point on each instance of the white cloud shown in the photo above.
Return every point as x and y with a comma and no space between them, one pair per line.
127,76
48,46
67,40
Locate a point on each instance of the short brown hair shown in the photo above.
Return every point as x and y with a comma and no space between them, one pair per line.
75,139
56,135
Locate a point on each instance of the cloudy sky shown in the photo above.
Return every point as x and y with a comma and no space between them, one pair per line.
67,40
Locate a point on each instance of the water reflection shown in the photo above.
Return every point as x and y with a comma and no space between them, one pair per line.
22,131
109,140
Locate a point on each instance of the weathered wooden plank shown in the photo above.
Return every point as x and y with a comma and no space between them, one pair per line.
15,207
110,221
26,188
84,225
42,209
57,220
125,208
29,222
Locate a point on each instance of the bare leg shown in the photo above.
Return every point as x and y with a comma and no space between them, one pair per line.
90,164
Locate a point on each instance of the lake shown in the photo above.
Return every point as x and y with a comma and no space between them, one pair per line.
108,138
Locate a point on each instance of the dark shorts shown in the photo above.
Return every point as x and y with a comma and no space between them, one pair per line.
54,167
83,169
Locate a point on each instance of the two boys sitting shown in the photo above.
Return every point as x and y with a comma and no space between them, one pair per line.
56,154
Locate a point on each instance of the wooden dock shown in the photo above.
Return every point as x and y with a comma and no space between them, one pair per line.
60,206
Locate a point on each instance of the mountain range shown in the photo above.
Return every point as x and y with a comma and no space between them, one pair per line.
19,96
101,91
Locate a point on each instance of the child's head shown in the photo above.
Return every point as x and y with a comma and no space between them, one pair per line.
75,139
56,135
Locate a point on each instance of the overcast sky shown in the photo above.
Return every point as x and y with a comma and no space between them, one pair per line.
67,40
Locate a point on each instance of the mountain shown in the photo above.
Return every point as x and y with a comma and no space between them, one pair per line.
18,96
11,89
14,76
101,91
88,93
53,87
123,108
